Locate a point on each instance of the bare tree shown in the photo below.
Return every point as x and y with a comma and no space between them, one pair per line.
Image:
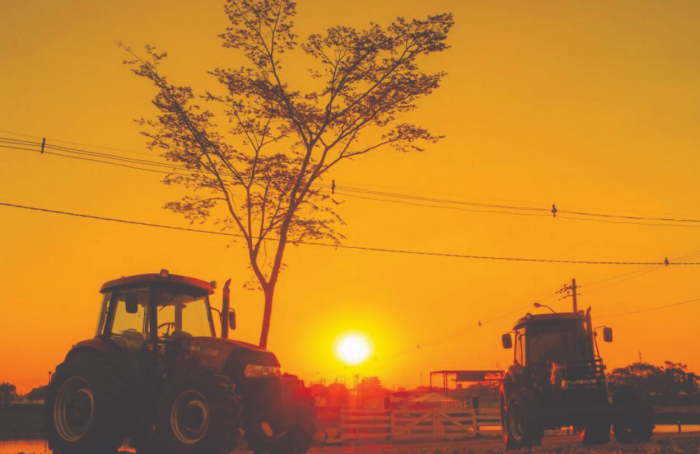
258,171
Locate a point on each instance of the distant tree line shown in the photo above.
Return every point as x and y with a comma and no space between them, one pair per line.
666,385
8,394
670,384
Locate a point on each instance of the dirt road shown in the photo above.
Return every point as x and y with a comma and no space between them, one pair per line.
495,443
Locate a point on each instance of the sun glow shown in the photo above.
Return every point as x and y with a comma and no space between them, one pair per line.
353,348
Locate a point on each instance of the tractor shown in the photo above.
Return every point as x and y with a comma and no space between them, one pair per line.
558,380
157,375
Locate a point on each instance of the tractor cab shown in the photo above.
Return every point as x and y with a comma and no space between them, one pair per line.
551,338
559,351
156,307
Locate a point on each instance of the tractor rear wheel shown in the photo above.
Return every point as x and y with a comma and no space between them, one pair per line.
523,426
595,432
198,414
83,406
634,418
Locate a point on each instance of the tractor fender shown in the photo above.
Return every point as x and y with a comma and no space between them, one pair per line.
124,359
519,376
507,385
515,377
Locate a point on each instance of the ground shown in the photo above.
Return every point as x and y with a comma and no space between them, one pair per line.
662,444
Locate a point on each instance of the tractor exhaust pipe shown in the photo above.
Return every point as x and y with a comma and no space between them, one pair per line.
225,309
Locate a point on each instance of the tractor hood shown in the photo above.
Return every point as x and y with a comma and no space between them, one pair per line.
228,355
253,354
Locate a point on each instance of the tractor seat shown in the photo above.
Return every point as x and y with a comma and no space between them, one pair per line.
132,334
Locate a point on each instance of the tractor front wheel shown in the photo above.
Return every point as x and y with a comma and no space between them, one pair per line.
634,418
523,426
198,414
83,406
596,432
298,438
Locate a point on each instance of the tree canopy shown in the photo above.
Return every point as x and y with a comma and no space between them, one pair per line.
8,393
669,383
253,154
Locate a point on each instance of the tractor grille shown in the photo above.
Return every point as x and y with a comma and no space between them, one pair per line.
290,387
585,374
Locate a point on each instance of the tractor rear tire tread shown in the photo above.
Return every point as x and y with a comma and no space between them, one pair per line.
105,433
532,431
595,433
636,425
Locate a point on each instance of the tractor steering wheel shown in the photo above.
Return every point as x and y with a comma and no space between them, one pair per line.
169,325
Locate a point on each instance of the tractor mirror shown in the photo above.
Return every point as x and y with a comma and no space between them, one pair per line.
132,303
507,341
232,319
607,334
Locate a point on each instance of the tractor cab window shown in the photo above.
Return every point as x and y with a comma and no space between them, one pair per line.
182,315
131,322
555,342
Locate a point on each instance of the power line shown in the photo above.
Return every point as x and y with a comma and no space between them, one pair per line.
604,283
346,187
444,201
122,221
99,157
78,143
650,309
637,218
426,345
350,247
84,155
381,196
403,202
606,221
91,157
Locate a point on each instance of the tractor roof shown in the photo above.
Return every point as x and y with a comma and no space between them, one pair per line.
163,278
543,318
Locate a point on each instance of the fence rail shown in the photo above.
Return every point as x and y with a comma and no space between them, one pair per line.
365,424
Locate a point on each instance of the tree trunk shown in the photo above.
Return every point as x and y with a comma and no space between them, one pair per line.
267,315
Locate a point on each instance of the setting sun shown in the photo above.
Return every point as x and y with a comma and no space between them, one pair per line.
353,348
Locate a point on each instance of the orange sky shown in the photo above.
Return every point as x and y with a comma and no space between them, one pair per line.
591,105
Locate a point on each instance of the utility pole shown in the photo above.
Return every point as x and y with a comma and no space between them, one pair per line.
640,357
357,390
574,294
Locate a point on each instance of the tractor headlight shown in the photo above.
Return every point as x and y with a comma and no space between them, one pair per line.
256,371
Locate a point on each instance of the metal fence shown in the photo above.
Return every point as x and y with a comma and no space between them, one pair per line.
366,424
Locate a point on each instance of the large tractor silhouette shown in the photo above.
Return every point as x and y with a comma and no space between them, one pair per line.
558,379
157,374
